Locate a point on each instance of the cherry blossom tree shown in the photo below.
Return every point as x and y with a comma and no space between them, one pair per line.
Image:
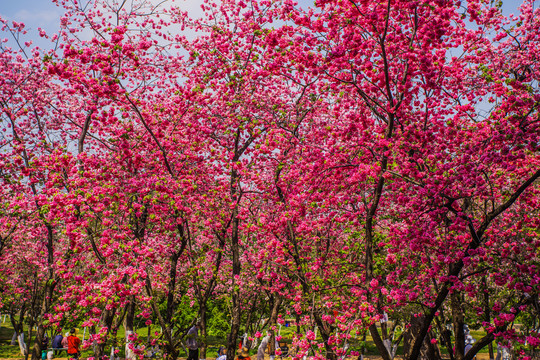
350,161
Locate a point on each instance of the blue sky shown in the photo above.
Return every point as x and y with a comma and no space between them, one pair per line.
34,13
44,14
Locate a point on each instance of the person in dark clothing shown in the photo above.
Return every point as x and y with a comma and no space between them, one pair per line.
57,343
44,346
45,342
193,342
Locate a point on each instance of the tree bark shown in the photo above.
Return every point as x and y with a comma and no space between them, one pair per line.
446,335
326,331
410,338
487,312
170,348
379,342
236,301
428,350
458,322
129,327
18,327
47,295
203,329
272,321
106,321
30,333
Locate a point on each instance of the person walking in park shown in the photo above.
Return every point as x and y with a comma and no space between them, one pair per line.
73,345
469,341
263,347
65,340
193,342
57,343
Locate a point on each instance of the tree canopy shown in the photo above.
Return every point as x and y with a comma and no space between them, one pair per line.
339,164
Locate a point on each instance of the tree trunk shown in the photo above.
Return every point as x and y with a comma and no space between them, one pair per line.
236,301
45,307
171,287
487,312
458,321
446,335
170,348
19,329
129,328
30,333
47,295
36,351
326,331
130,314
428,351
203,329
379,343
235,326
250,315
22,345
432,350
491,354
166,324
106,321
114,343
410,337
272,321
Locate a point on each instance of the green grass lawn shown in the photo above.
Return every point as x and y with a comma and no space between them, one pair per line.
7,350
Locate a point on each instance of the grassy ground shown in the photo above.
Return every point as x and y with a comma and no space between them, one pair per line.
8,351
